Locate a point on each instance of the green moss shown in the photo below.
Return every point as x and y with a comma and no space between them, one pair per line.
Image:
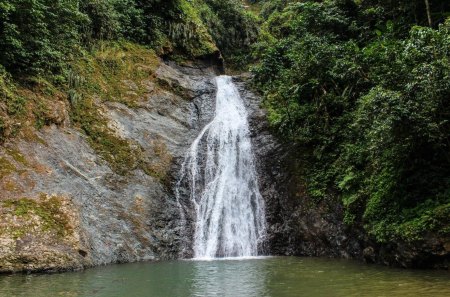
114,71
159,166
6,167
48,210
116,151
17,156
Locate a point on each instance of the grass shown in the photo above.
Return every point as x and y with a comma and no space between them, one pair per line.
26,106
114,71
17,156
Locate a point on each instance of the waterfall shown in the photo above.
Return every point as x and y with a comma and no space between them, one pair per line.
220,173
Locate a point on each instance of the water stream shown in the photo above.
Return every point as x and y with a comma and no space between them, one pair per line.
220,172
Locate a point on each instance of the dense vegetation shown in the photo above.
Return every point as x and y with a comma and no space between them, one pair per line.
362,90
42,36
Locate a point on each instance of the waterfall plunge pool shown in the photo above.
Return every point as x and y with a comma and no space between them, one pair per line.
247,277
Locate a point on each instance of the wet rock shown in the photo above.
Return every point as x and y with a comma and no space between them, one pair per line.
427,253
178,82
369,254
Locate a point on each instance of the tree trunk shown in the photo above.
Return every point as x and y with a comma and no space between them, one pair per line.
427,4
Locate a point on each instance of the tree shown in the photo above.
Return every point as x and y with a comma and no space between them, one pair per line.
427,5
36,36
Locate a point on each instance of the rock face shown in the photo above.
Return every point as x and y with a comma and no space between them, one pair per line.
63,208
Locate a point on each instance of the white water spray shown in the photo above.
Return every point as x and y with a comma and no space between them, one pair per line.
221,175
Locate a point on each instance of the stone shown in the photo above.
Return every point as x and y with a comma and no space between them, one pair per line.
369,254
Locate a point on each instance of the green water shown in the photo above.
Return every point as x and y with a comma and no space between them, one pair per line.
274,277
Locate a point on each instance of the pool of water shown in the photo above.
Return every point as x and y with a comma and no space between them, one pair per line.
271,277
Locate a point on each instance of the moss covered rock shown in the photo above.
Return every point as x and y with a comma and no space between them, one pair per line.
40,234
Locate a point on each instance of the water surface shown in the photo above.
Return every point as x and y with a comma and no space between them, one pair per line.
261,277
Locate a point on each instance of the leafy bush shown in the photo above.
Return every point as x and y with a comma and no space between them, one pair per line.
37,37
233,29
367,105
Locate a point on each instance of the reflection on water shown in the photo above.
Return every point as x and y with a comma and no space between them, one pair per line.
267,277
229,278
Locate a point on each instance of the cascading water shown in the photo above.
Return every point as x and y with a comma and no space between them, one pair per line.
220,173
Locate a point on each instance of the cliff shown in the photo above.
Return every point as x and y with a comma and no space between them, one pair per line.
67,203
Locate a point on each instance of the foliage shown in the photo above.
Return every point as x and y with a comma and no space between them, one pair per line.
11,104
114,71
38,36
366,103
233,29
